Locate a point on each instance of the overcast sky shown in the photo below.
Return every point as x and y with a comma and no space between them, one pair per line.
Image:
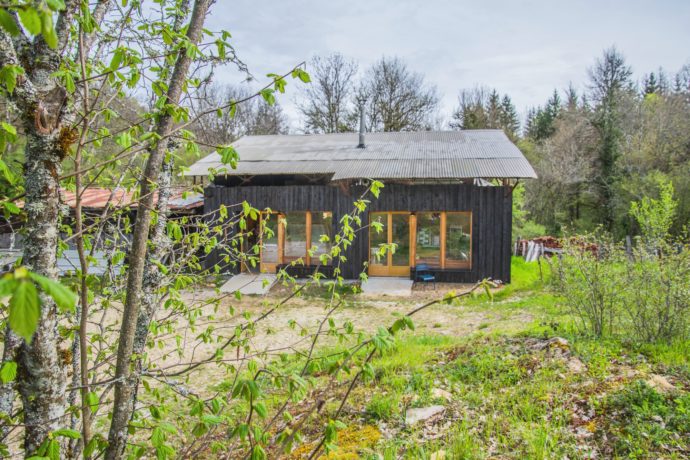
523,48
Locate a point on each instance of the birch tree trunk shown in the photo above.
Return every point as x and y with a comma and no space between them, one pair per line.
123,397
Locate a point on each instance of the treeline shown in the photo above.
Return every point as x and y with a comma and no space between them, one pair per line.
595,150
599,150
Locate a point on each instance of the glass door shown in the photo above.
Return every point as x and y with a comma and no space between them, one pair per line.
272,241
395,231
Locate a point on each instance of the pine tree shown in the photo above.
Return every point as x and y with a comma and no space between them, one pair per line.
650,84
510,122
493,111
610,80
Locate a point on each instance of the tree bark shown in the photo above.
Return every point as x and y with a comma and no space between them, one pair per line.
11,343
43,105
123,397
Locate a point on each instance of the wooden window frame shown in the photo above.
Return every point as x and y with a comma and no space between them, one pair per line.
282,218
461,265
390,270
309,237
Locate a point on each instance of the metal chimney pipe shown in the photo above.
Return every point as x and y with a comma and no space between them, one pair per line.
362,129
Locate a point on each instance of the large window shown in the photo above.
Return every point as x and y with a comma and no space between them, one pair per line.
378,236
321,235
428,239
458,239
295,236
438,239
269,251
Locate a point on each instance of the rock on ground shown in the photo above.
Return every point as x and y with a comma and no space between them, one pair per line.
419,414
660,383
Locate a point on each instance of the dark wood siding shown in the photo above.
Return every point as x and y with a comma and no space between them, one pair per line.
491,209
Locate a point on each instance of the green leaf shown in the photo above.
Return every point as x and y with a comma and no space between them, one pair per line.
260,409
53,451
63,297
67,433
268,96
93,401
48,29
30,19
8,372
9,128
212,419
304,76
56,5
228,155
8,75
7,285
157,437
11,207
24,310
7,22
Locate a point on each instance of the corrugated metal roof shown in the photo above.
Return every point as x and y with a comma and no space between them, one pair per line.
402,155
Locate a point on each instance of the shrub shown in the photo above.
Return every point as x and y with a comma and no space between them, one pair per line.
644,297
644,294
657,294
592,284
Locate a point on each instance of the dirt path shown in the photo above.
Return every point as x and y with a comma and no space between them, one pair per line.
288,329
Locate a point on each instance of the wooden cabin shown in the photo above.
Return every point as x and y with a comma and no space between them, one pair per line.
446,201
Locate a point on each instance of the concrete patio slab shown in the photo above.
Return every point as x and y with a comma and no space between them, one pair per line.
250,283
379,285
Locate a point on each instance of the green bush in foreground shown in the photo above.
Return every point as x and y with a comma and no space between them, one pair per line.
644,293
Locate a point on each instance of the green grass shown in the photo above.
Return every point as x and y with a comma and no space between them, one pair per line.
516,398
513,396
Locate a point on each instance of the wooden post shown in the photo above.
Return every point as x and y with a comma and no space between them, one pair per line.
307,259
443,240
281,237
413,240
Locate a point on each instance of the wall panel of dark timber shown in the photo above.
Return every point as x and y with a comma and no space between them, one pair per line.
491,209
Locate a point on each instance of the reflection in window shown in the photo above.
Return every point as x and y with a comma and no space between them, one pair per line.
269,251
295,236
377,238
458,239
321,227
401,239
429,239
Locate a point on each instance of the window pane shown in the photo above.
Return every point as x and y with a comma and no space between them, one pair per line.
428,239
295,236
401,237
377,238
321,225
458,239
269,250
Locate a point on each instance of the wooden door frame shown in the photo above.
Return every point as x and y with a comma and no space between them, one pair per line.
389,269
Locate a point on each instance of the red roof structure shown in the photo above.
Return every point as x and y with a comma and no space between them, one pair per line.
99,198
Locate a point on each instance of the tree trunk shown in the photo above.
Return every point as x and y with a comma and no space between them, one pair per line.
11,343
41,371
123,398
